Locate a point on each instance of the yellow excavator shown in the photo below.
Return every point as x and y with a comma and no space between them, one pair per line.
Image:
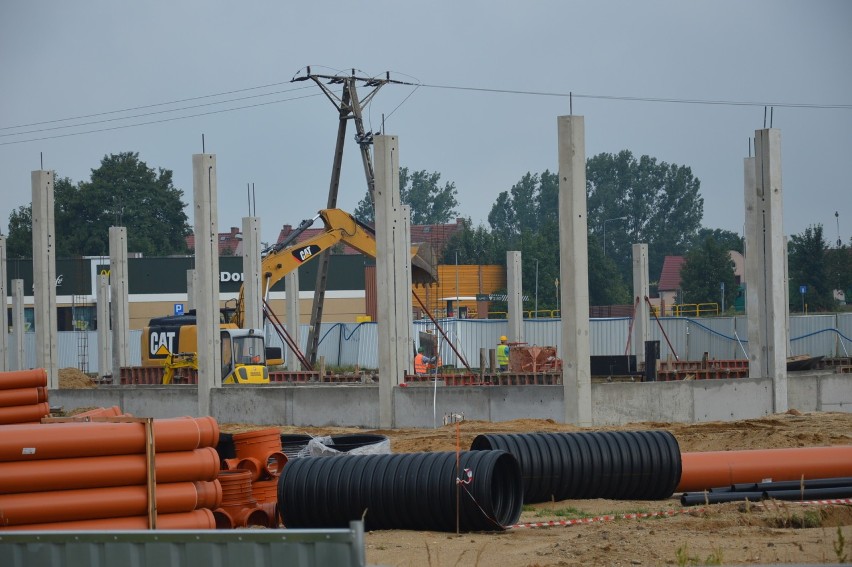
340,227
178,334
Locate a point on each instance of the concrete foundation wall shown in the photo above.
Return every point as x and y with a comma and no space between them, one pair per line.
357,405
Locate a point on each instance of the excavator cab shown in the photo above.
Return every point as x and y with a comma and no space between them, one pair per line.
244,357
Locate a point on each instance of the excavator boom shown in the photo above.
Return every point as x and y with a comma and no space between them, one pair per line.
340,226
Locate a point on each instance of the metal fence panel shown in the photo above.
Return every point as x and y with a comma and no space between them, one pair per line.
811,335
368,345
676,330
715,336
844,338
186,548
608,336
350,344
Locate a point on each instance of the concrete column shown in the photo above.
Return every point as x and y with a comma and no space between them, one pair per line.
44,275
252,294
4,312
754,279
393,266
514,297
574,271
406,342
18,324
767,146
640,292
207,268
291,292
190,289
119,306
104,335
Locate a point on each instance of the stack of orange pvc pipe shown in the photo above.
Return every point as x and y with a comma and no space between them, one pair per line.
259,454
23,396
93,475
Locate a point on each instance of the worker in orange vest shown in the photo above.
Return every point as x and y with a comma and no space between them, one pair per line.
420,362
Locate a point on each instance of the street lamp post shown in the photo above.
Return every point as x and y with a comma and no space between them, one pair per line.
604,231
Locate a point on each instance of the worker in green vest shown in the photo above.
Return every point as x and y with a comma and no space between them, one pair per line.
503,354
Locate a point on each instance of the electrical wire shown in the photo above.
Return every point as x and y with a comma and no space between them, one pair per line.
645,99
417,84
130,109
150,113
160,121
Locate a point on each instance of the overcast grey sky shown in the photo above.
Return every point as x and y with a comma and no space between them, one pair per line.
62,59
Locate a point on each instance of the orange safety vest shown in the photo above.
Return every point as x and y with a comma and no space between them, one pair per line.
419,364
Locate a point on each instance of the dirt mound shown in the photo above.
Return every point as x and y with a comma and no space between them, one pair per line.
74,379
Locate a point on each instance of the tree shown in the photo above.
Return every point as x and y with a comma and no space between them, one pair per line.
727,239
430,202
531,204
123,191
661,202
808,265
707,266
473,246
526,218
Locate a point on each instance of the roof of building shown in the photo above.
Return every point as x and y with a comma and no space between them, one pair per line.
229,243
670,275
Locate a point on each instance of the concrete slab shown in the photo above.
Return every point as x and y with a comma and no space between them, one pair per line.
835,393
525,402
726,400
618,403
803,392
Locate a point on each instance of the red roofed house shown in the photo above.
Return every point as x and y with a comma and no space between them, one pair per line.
669,283
228,242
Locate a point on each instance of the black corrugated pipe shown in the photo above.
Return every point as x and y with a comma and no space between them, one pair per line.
415,491
619,465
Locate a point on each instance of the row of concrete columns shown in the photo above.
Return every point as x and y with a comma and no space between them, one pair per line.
765,276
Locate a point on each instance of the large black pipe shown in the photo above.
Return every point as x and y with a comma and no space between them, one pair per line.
415,491
620,465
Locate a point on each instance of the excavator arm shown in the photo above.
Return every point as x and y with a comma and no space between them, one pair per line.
340,226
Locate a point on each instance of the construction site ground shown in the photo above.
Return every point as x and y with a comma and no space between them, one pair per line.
721,534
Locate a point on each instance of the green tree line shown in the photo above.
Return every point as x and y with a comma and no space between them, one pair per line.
629,200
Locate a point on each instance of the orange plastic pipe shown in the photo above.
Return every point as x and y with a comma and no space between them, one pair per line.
24,414
113,411
22,396
101,472
23,379
713,469
251,465
201,519
94,503
82,439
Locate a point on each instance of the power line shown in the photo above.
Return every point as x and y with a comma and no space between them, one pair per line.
646,99
158,121
145,106
105,120
716,102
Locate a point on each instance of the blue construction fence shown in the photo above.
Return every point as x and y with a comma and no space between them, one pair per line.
356,344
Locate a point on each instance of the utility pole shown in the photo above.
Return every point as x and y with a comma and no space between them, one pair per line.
348,107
